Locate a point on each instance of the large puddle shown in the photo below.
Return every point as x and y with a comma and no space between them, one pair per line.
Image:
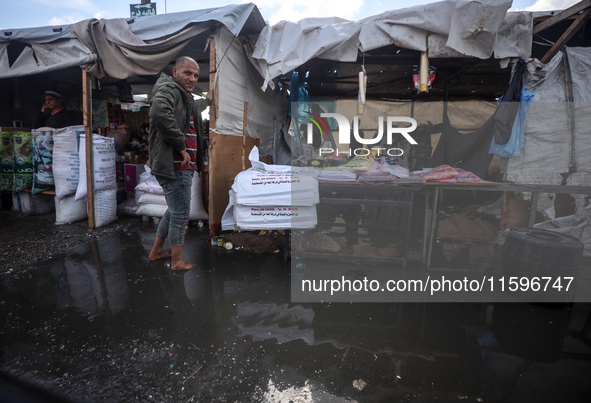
102,323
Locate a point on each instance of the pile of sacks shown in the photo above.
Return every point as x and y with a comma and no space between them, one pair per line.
150,200
69,172
272,197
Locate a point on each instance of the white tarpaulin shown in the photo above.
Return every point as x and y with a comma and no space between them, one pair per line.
553,148
120,48
453,28
237,83
45,57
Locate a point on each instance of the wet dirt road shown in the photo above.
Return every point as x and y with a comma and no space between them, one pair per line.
102,323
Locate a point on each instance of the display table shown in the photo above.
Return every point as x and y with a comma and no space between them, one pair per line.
398,200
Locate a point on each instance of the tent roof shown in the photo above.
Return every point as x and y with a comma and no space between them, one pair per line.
118,48
468,42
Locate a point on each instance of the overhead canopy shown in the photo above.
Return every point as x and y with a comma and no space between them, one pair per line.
118,48
446,29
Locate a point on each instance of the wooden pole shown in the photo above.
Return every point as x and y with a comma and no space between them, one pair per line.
574,27
87,112
212,126
245,119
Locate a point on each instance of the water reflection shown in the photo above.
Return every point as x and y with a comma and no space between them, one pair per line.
93,278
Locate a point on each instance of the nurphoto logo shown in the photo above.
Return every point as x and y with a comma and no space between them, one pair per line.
344,136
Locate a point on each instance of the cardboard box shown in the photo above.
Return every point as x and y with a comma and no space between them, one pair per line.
132,176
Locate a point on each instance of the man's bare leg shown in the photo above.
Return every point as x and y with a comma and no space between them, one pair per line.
177,259
158,251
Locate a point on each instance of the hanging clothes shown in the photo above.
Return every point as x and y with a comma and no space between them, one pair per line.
515,144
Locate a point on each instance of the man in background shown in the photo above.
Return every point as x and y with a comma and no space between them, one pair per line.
53,114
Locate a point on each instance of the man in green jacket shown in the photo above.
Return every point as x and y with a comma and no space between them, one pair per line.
174,154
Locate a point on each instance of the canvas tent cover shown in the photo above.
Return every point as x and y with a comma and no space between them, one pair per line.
119,48
446,29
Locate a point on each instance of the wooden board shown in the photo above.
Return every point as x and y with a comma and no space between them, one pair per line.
225,162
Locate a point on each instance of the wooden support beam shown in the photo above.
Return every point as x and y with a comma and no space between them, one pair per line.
212,126
244,120
87,119
564,14
575,26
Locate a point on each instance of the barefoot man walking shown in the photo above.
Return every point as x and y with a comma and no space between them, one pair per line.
175,124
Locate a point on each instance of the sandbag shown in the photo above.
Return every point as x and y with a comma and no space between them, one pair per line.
43,160
66,160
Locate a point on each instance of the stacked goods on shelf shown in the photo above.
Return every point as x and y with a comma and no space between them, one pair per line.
43,159
22,149
6,161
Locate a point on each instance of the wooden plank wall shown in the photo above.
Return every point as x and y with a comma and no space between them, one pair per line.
225,162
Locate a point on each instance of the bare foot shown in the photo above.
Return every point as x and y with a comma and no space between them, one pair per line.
182,266
160,254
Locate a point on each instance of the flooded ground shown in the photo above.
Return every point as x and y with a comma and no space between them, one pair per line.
102,323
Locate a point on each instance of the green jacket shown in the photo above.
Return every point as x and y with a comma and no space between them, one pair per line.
170,117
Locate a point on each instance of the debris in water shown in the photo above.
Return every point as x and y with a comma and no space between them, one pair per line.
359,384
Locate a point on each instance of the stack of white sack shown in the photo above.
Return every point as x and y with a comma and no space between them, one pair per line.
66,174
104,176
150,200
272,197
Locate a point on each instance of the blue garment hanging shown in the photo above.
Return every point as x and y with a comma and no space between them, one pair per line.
298,95
515,144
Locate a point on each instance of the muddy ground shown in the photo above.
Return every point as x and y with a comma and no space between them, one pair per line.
26,240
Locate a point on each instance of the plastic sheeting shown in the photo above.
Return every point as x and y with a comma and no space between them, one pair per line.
237,82
45,57
120,48
551,153
447,29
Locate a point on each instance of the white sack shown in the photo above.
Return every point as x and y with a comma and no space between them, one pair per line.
273,218
104,164
151,198
148,183
68,210
255,188
152,210
105,207
197,211
66,161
